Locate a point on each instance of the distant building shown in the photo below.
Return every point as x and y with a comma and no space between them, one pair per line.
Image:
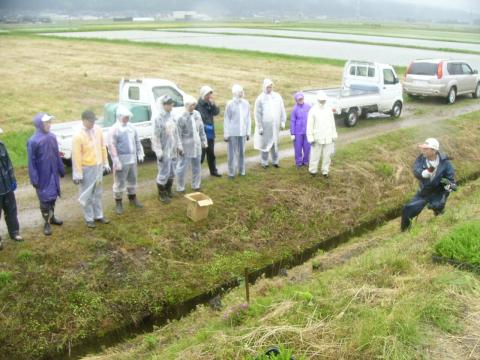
189,16
184,15
123,19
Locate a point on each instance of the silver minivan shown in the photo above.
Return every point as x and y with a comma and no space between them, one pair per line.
443,78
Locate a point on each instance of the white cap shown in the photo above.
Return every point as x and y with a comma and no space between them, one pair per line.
205,90
430,143
321,96
189,100
236,89
47,117
122,112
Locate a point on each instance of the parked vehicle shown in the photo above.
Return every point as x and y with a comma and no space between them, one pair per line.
442,78
367,87
137,95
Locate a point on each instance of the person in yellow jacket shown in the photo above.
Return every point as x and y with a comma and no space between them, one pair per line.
89,162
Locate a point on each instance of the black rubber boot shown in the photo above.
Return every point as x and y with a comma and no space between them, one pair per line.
54,220
162,194
47,216
118,206
134,201
168,187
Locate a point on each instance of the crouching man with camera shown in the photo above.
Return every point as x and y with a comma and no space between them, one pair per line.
437,180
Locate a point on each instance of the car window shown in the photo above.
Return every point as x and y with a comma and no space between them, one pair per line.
466,69
423,68
167,90
371,72
134,93
352,70
361,71
388,77
454,69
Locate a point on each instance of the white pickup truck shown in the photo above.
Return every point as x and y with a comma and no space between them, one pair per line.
367,88
140,97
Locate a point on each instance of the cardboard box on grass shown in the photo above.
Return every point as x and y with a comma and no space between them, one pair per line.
198,205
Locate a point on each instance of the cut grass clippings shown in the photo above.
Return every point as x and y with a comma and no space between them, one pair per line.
78,284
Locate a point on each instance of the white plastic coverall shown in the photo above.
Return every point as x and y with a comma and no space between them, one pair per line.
269,115
321,134
166,144
237,129
193,139
125,150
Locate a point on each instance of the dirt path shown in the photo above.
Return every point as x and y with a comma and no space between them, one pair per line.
68,208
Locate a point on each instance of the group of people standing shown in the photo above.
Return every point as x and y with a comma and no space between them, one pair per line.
185,141
179,143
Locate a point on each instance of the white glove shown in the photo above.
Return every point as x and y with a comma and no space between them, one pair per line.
426,174
107,168
225,139
283,126
292,137
117,165
141,158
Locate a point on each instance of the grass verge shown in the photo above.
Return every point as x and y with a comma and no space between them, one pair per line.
78,284
462,244
380,297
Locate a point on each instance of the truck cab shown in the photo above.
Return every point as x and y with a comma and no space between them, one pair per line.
367,87
140,96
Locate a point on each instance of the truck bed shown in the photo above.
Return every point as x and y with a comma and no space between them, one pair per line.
353,91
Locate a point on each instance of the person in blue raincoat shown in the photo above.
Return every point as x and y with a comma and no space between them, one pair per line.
437,180
8,204
45,167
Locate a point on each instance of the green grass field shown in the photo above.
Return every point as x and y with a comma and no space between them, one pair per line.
378,297
79,284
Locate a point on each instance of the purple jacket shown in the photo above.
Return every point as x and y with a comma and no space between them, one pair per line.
298,120
44,163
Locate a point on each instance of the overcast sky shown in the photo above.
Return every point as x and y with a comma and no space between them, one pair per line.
412,9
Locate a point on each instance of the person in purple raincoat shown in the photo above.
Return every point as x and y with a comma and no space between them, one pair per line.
298,130
45,167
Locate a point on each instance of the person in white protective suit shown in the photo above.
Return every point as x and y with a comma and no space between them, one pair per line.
193,140
167,147
89,162
321,135
125,150
237,130
269,116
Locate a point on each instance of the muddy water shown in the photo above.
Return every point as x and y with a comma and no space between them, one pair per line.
302,47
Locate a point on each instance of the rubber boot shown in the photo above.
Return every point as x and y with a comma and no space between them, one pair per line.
47,216
162,194
118,206
54,220
134,201
168,187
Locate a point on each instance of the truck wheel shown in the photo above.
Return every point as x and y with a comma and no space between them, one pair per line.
396,109
352,118
476,94
452,95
